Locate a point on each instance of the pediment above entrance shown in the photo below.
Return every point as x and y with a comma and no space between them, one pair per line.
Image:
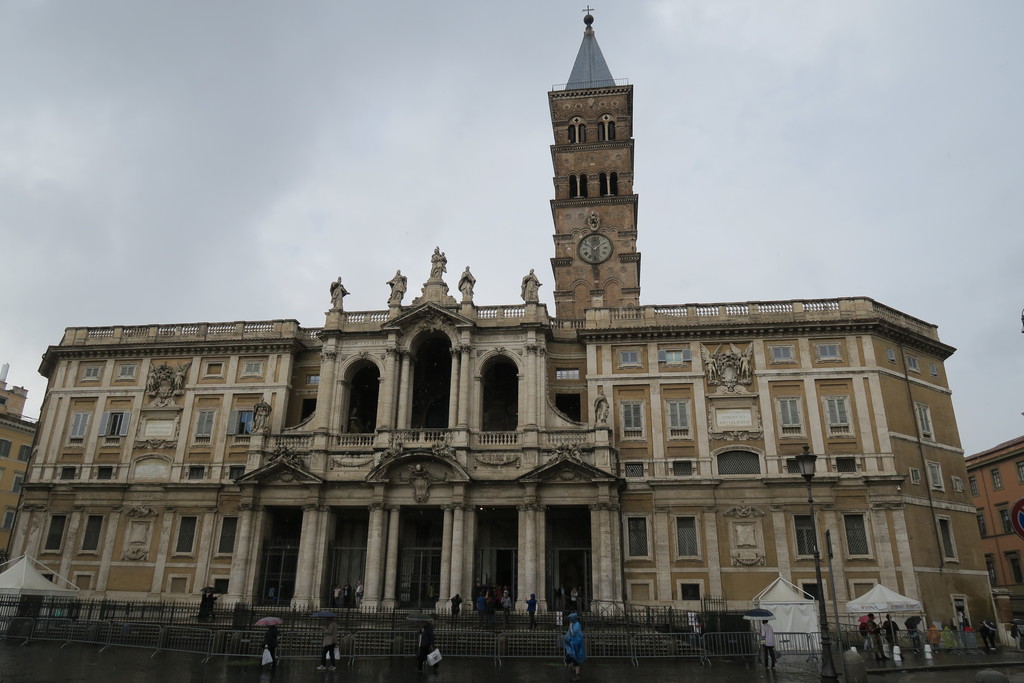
566,467
432,464
284,467
426,317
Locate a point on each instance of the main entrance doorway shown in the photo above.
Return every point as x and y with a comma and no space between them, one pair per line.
497,553
568,558
280,558
419,557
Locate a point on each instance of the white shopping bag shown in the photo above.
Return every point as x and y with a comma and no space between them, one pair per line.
337,653
434,657
267,657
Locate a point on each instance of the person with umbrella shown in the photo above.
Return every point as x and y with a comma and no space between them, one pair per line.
768,641
575,647
426,644
329,641
913,633
270,638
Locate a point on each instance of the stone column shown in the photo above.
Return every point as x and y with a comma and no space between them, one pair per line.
885,550
375,541
456,559
391,565
595,552
307,556
782,551
469,547
529,417
206,535
325,389
714,559
662,553
107,556
616,552
531,552
444,590
237,587
71,542
606,554
522,551
464,398
160,564
320,550
404,389
386,399
540,530
453,389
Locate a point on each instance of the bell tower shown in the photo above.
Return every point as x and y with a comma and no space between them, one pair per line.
596,263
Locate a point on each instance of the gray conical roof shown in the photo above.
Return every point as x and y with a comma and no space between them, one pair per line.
590,69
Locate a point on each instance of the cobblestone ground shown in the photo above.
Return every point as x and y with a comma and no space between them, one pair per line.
77,663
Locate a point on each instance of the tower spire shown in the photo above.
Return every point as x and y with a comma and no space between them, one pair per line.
590,70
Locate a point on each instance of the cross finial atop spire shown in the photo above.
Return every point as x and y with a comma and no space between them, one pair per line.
589,18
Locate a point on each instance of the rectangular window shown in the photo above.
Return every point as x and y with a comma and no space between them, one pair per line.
846,465
935,476
637,527
126,372
682,468
912,364
629,359
16,486
312,379
115,423
933,369
5,448
891,355
9,516
856,535
220,586
105,472
204,424
789,416
973,482
91,372
946,533
67,473
79,425
186,535
997,479
689,591
982,527
838,415
828,352
252,368
686,536
804,527
227,535
196,472
235,471
915,475
782,354
674,356
55,534
634,469
792,466
632,420
1004,520
25,453
567,373
924,421
91,537
1015,569
958,483
678,419
240,422
215,369
990,567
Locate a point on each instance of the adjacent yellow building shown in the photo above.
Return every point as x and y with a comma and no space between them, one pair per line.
16,434
635,453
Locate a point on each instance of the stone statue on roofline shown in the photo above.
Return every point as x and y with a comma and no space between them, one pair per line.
399,283
530,288
438,264
338,293
466,284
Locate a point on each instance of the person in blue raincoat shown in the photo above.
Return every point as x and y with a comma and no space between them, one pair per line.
575,648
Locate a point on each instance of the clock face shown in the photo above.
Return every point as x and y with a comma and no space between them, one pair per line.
595,248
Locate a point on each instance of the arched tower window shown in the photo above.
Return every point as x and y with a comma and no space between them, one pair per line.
603,182
577,130
613,185
606,128
431,385
574,187
583,185
362,400
500,409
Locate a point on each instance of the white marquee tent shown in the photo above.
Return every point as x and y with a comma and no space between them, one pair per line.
794,610
20,576
882,600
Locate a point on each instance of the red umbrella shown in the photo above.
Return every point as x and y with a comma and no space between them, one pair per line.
269,621
863,619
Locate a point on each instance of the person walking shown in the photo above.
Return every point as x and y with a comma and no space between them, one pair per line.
456,607
912,632
481,608
575,647
890,630
768,641
875,632
329,641
492,607
506,607
426,644
988,634
270,642
335,596
359,593
531,609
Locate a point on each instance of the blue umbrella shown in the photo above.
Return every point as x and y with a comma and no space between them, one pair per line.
324,613
758,614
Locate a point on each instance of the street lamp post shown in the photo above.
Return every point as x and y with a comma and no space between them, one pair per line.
805,461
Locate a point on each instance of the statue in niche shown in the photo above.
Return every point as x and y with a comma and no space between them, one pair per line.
164,383
466,284
601,407
338,293
530,288
420,478
438,264
399,283
261,417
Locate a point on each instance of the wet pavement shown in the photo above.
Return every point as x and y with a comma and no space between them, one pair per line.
43,662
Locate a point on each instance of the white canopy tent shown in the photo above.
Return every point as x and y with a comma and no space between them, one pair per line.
794,609
20,576
882,600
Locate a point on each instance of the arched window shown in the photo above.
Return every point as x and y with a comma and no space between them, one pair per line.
362,401
739,462
572,134
603,182
500,410
583,185
606,128
574,187
611,130
577,130
613,186
583,132
431,384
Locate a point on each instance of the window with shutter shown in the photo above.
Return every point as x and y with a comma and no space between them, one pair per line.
678,419
804,528
186,535
55,534
789,416
91,537
632,420
637,528
924,420
25,453
5,448
79,425
204,423
686,536
227,535
838,416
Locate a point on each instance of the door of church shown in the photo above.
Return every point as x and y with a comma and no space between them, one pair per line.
419,577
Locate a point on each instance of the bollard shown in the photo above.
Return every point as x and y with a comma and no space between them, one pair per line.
856,670
896,656
990,676
928,651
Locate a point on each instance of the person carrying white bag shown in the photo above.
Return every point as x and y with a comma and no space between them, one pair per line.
270,647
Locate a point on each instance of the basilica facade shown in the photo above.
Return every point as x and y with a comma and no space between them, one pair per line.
640,454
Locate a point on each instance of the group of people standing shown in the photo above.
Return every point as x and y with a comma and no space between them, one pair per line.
346,596
487,603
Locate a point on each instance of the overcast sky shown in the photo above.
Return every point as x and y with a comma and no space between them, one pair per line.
166,162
